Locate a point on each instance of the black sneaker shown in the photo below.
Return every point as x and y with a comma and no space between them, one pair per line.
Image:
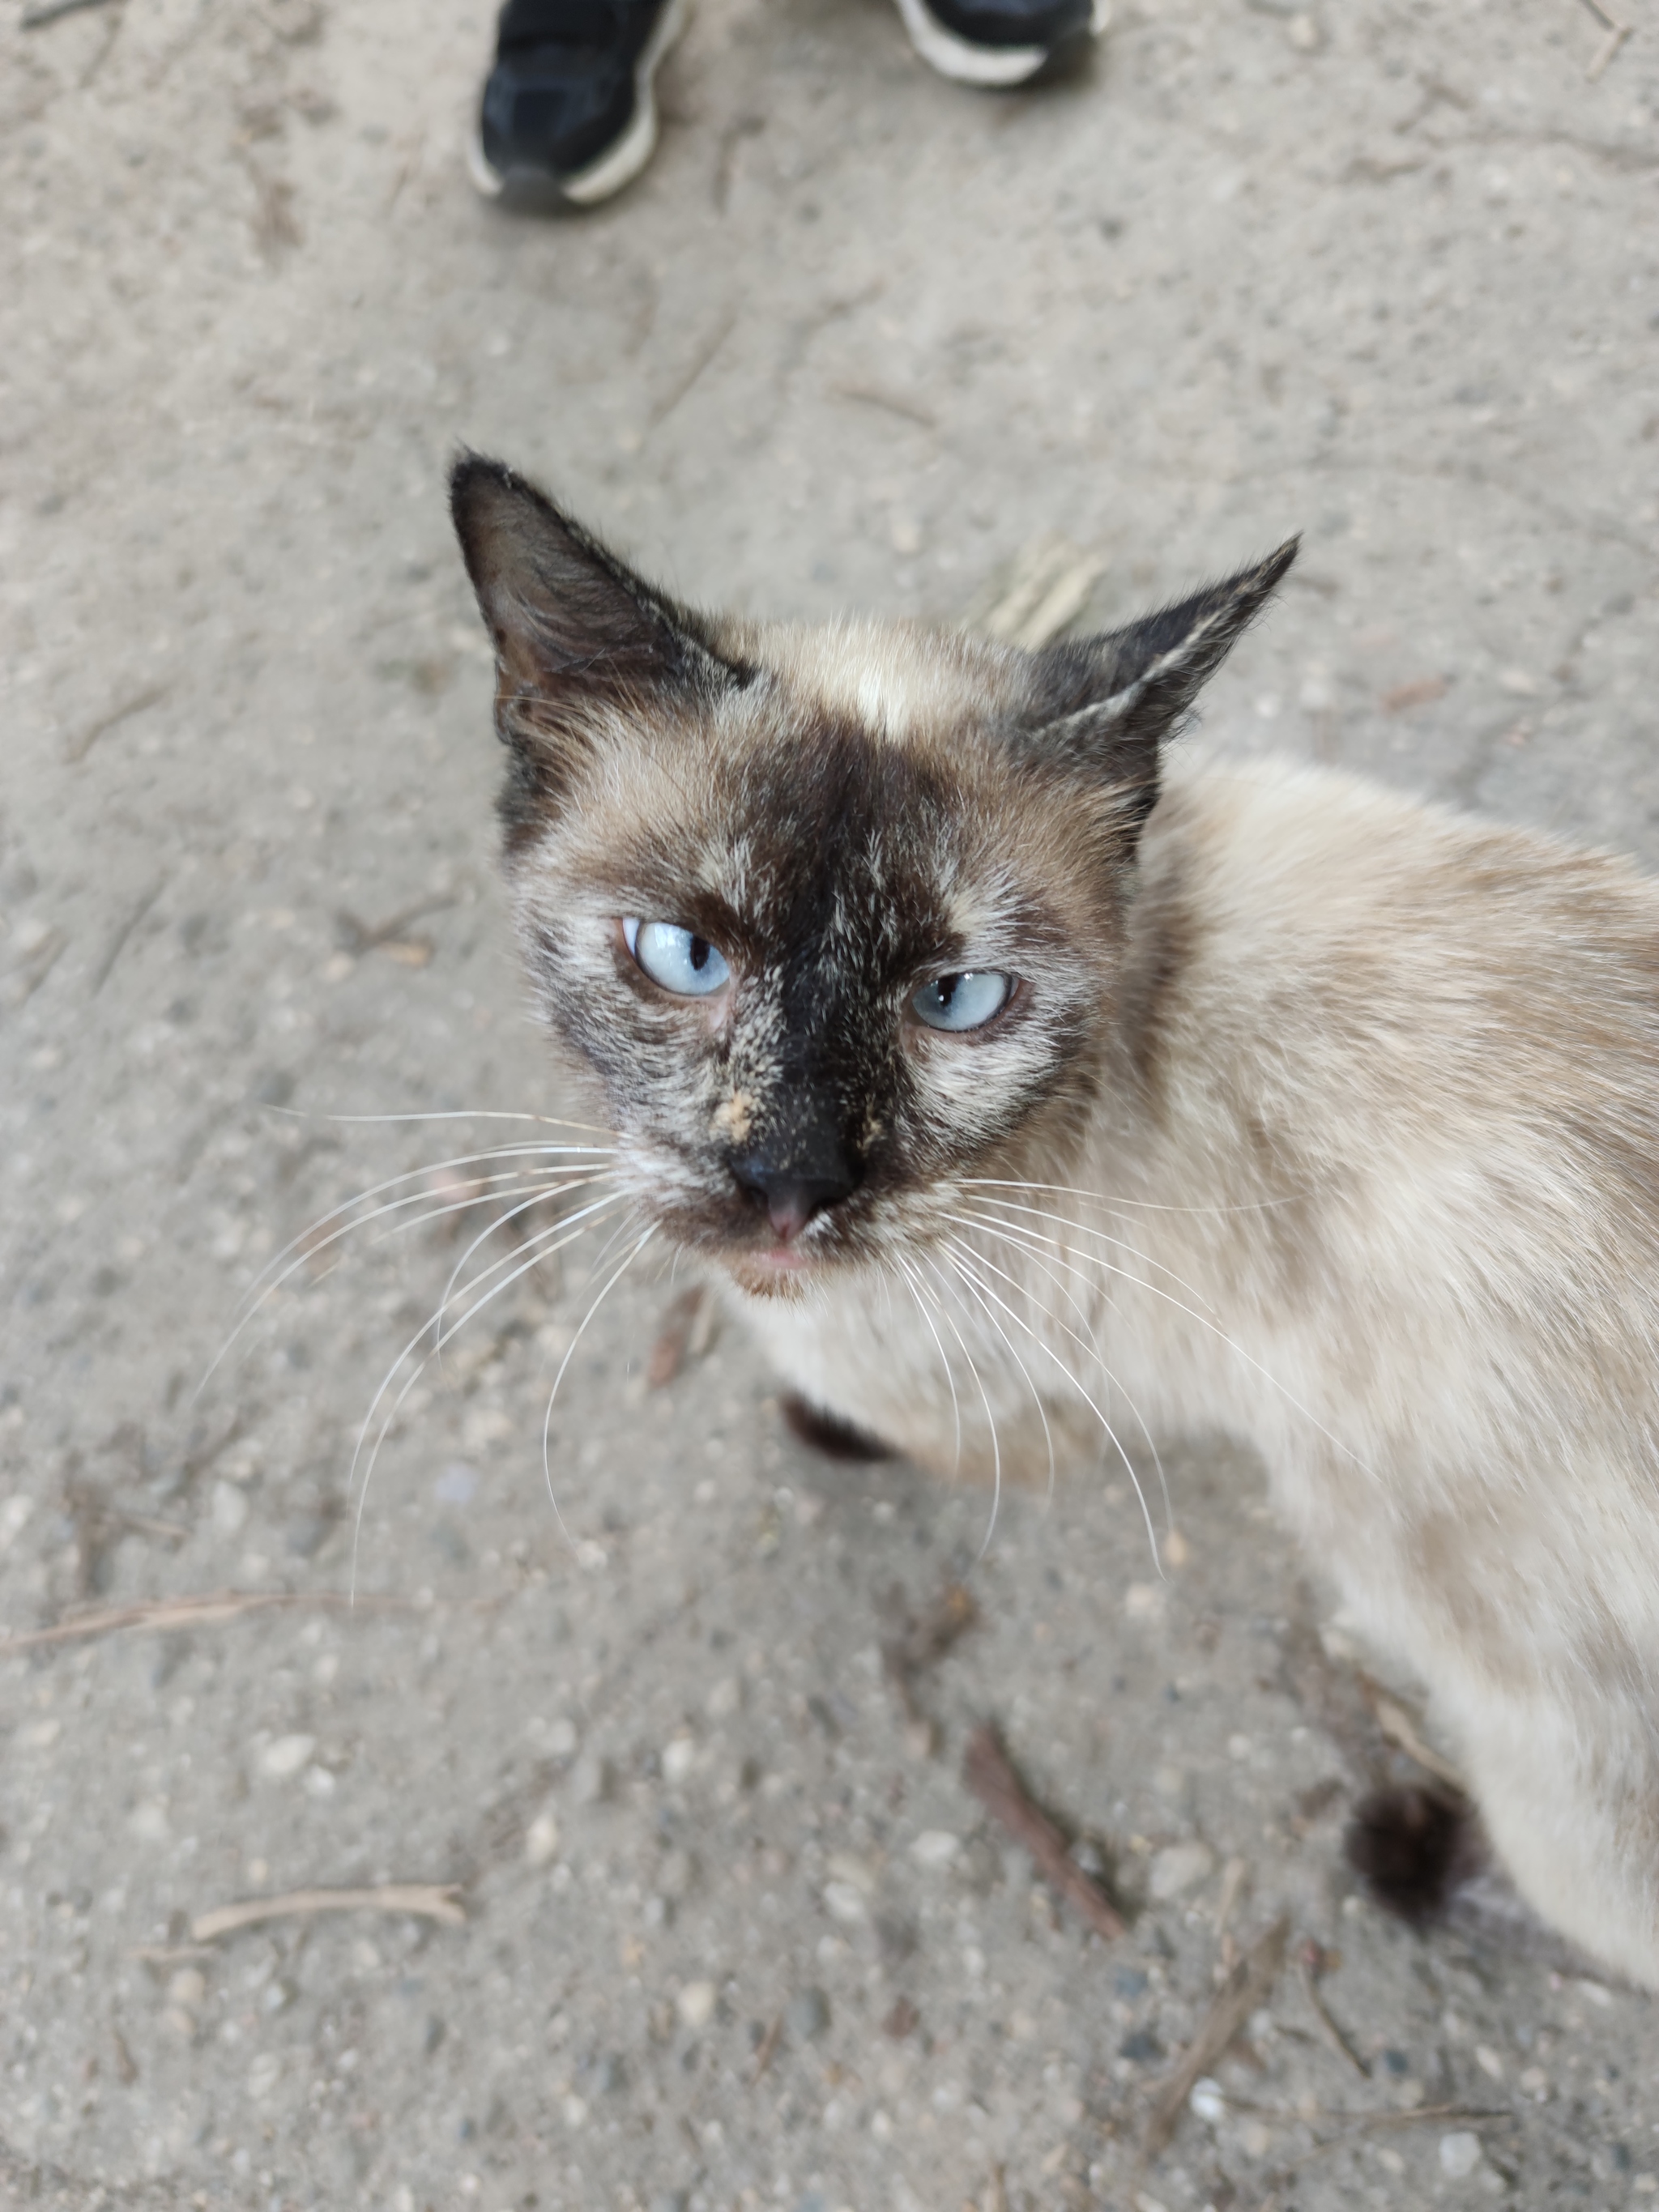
567,110
997,42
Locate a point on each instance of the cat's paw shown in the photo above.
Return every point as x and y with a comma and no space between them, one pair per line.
1415,1850
824,1433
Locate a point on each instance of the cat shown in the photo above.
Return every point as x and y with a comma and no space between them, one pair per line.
1034,1089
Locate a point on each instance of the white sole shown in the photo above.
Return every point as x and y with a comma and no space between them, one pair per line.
964,62
620,163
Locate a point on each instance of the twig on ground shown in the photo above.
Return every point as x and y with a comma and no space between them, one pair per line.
356,936
921,1640
1039,592
202,1611
1309,1959
48,11
424,1901
688,1330
1372,2123
1248,1986
989,1774
769,2044
1397,1724
1617,33
1233,1875
123,930
77,747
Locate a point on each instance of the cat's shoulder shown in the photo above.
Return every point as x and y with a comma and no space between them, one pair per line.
1326,837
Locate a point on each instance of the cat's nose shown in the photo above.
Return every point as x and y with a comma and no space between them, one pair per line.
791,1198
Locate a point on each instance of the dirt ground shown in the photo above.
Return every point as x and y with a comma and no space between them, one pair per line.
726,1929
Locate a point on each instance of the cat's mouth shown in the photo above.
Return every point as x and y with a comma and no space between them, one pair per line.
768,1269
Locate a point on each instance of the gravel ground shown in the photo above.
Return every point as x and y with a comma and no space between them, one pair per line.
728,1930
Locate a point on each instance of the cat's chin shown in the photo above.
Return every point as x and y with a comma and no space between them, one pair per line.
777,1272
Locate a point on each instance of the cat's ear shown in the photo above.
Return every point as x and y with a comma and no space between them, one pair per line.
1106,704
572,627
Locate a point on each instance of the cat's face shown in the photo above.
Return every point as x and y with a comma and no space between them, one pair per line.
752,923
833,917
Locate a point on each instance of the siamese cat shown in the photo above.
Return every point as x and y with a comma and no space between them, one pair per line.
1034,1090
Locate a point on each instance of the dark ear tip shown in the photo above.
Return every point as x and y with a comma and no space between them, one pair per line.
470,474
1273,568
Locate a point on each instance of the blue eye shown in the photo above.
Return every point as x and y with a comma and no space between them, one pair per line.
689,966
963,1002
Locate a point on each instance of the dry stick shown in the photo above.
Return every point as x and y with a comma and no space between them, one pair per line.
50,10
1332,2032
988,1773
426,1900
1248,1986
1617,33
1397,1725
769,2044
1372,2123
681,1329
172,1612
77,747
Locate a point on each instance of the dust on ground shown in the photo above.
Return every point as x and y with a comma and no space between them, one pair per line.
736,1934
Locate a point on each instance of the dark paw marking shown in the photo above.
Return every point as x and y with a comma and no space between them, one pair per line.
1413,1850
824,1433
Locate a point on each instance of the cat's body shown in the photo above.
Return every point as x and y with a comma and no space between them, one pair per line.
1348,1208
1304,1112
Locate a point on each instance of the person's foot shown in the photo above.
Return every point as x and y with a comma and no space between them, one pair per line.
997,42
567,110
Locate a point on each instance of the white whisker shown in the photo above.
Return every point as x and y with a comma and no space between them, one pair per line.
454,1114
1111,1201
500,1221
1116,1441
307,1243
903,1265
1023,1241
1235,1348
996,1446
1081,1229
538,1248
1036,1396
547,1418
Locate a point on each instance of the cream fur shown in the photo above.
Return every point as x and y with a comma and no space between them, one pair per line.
1385,1196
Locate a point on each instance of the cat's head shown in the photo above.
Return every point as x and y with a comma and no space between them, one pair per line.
835,916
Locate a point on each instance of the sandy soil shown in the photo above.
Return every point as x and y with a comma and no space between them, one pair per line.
734,1933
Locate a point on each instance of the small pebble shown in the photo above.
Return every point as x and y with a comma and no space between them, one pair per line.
593,1779
844,1902
187,1988
541,1842
265,2074
808,2014
679,1758
1179,1869
935,1847
695,2003
1459,2154
1207,2101
230,1509
286,1756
